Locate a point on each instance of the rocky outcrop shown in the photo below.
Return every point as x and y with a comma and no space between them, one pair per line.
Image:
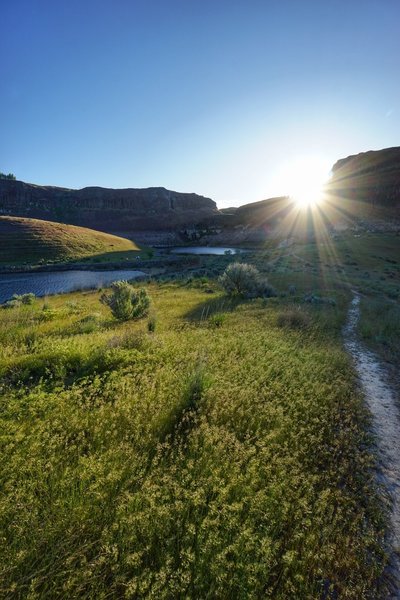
370,177
106,209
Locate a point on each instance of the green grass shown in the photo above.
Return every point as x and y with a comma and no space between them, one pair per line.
367,263
380,327
30,242
224,455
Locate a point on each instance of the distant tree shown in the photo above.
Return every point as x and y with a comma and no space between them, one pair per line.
9,176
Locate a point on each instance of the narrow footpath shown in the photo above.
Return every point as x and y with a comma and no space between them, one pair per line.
381,401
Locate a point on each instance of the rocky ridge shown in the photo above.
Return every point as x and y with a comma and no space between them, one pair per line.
106,209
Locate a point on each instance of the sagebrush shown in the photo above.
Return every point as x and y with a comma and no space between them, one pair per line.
125,301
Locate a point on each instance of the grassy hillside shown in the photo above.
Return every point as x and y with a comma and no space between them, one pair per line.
31,241
218,457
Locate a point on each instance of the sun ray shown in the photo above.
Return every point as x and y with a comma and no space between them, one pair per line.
303,179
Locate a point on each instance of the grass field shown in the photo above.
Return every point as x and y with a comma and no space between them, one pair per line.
225,455
26,241
368,263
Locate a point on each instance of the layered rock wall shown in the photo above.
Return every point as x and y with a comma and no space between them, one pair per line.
106,209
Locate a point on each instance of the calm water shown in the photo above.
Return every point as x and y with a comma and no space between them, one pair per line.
205,250
58,282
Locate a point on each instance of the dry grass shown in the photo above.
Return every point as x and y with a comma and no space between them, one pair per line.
30,241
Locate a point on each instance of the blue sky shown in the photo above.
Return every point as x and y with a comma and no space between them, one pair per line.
216,97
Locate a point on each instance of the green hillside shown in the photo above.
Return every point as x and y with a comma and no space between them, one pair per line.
32,241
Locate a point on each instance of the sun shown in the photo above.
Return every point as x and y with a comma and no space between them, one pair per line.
307,192
303,180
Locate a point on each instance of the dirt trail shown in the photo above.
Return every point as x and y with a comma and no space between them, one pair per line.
381,402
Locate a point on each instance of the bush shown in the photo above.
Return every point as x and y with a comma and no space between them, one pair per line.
11,304
88,324
126,302
27,298
129,340
314,299
217,320
265,290
73,308
293,319
152,323
17,300
242,279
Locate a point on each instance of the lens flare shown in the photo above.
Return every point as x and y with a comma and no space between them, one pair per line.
303,180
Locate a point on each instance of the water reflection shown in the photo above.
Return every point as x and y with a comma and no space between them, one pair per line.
218,250
59,282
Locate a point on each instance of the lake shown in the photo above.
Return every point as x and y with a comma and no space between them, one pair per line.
59,282
205,250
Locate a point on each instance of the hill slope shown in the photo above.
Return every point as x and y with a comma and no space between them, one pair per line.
32,240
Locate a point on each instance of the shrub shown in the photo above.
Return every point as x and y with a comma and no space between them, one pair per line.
265,290
88,324
11,304
293,319
27,298
17,300
217,320
152,323
126,302
73,308
31,339
242,279
315,299
129,340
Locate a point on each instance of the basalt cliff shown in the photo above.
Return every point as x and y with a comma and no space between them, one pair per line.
106,209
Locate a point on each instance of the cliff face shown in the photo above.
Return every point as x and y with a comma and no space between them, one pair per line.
370,177
106,209
363,185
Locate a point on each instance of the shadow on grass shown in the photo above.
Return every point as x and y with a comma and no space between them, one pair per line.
210,307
